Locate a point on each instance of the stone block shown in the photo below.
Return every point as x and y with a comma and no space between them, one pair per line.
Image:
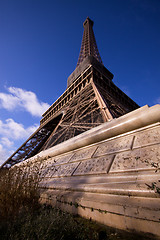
51,167
147,137
63,159
83,154
142,213
48,168
94,166
137,159
115,145
66,169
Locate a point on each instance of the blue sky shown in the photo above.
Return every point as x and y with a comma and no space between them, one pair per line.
39,47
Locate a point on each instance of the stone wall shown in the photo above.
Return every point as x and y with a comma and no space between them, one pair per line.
105,173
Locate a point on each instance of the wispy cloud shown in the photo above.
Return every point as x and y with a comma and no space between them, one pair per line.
14,130
10,133
18,98
4,153
6,142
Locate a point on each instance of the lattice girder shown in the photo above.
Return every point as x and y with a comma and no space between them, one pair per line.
88,46
80,114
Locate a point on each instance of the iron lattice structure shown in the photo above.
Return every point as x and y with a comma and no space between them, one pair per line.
90,99
88,46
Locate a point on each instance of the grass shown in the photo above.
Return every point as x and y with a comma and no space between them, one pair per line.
47,223
19,192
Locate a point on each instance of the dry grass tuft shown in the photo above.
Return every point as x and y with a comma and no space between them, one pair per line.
19,190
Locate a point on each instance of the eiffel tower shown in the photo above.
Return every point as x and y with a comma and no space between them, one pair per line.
91,98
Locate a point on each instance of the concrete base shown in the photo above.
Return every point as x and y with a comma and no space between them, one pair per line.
105,172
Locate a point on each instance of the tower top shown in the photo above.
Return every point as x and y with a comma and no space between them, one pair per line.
89,54
89,21
88,46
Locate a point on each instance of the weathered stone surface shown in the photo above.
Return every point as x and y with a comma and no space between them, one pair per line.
123,143
83,154
142,158
66,170
146,137
63,159
122,212
94,166
48,168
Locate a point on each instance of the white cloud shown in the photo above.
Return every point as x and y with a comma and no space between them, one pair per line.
22,99
14,130
10,133
4,153
8,101
6,142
